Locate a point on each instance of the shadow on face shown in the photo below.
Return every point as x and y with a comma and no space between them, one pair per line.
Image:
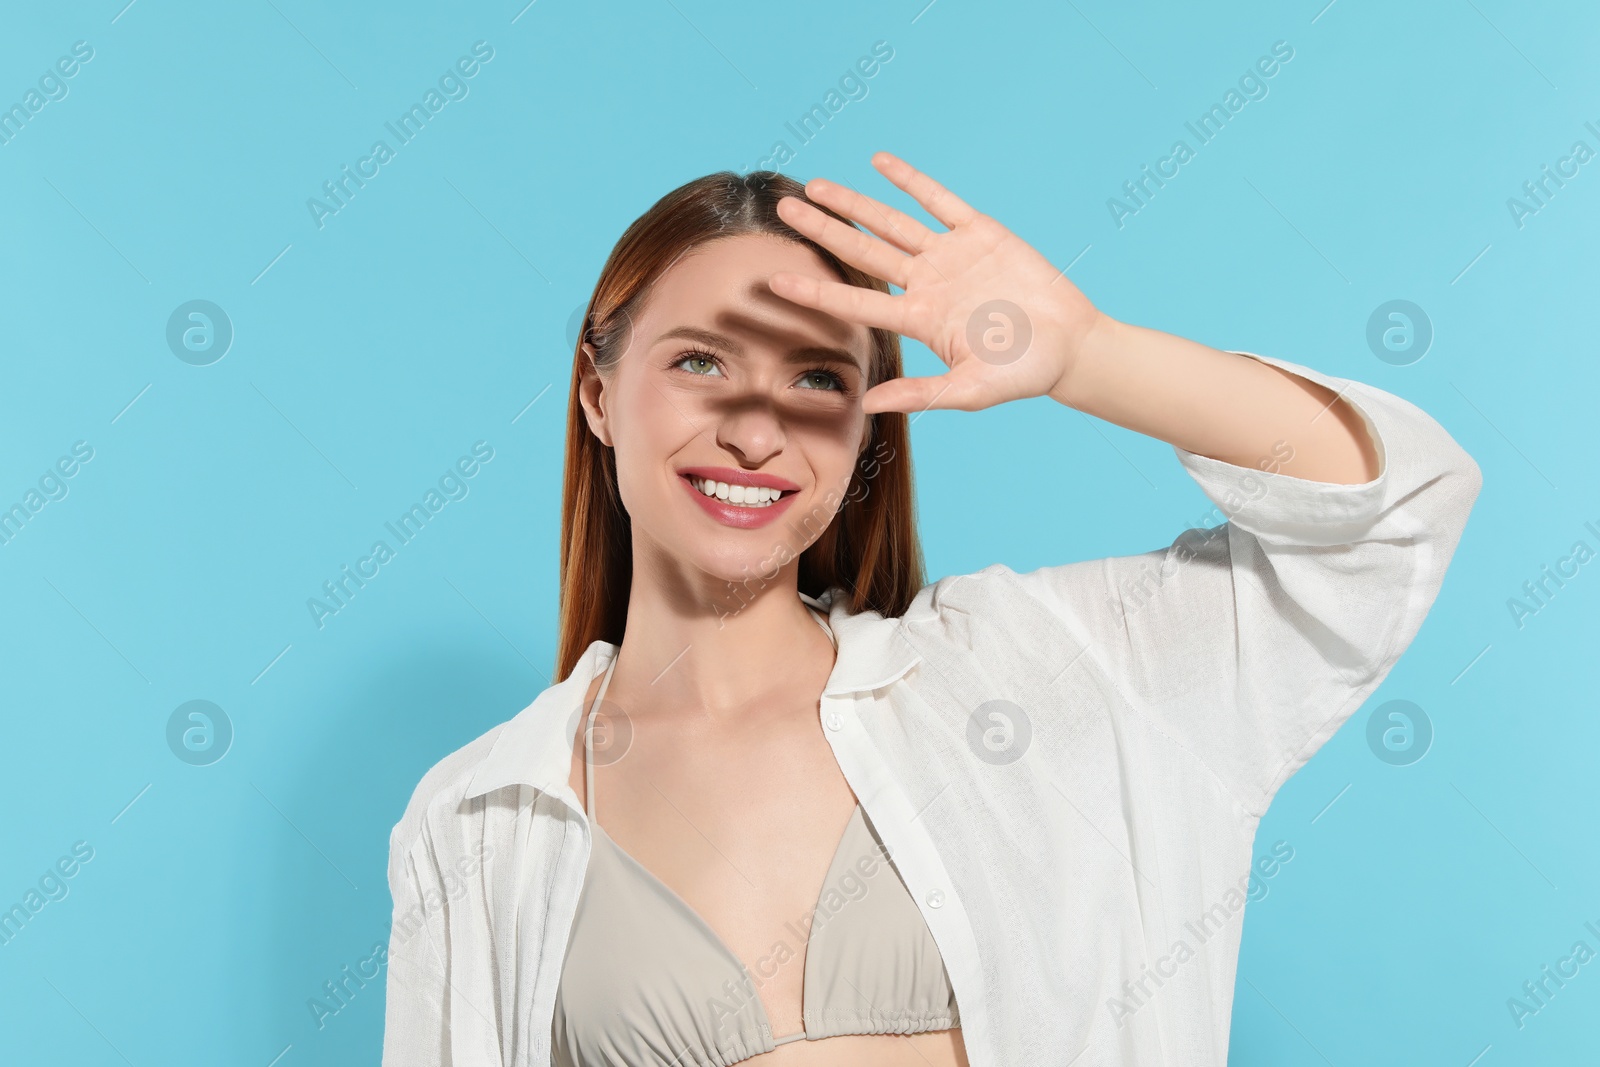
734,414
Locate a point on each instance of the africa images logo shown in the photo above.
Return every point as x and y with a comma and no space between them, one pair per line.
452,85
1206,128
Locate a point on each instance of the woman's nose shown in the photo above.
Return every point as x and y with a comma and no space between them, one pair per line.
751,429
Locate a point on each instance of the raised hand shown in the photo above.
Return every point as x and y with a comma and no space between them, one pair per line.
1005,321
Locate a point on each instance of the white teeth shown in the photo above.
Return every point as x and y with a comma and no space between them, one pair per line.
749,496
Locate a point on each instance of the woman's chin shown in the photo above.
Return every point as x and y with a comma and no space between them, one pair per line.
739,575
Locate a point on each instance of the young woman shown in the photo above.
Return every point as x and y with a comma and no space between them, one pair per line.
788,805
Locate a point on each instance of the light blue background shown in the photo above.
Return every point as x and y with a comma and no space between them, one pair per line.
432,311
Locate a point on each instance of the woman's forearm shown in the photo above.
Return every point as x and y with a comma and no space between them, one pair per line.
1218,404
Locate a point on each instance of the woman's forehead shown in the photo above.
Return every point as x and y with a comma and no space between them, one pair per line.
721,287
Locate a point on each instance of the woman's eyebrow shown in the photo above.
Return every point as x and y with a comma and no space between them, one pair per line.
806,354
822,354
705,337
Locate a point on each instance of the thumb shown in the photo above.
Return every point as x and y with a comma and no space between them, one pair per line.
914,394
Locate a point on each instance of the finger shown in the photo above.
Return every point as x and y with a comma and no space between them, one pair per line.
851,303
941,203
845,241
913,395
896,227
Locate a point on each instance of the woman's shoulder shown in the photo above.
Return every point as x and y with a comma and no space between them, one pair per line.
526,749
443,785
998,593
967,610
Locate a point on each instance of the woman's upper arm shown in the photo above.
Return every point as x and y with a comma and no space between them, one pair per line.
416,1029
1251,641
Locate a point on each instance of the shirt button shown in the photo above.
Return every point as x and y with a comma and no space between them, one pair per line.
834,720
935,899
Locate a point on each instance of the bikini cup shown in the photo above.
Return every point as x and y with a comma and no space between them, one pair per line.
646,980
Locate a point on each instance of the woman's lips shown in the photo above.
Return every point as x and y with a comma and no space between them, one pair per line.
739,516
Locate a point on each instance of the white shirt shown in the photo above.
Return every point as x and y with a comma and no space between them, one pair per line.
1082,859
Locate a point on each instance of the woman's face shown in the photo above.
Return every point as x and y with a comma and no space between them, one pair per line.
735,415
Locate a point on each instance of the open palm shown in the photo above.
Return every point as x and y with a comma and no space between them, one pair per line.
1006,323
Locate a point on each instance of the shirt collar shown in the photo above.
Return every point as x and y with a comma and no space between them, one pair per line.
535,748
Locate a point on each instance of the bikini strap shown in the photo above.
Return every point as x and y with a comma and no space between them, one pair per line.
588,736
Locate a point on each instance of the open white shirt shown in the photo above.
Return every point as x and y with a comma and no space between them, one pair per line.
1065,855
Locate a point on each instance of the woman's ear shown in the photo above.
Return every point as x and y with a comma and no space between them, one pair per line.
591,394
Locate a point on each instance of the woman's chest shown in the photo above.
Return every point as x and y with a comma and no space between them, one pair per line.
729,836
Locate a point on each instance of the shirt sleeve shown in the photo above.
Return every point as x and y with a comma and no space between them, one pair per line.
416,1028
1251,641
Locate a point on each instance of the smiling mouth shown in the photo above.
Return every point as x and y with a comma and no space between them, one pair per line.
744,496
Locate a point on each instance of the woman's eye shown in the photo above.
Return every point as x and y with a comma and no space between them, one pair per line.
820,379
696,363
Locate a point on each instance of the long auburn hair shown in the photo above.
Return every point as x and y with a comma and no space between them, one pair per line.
870,548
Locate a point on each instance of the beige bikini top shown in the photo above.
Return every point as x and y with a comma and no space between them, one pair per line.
647,981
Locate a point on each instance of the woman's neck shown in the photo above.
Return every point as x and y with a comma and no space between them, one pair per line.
690,645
